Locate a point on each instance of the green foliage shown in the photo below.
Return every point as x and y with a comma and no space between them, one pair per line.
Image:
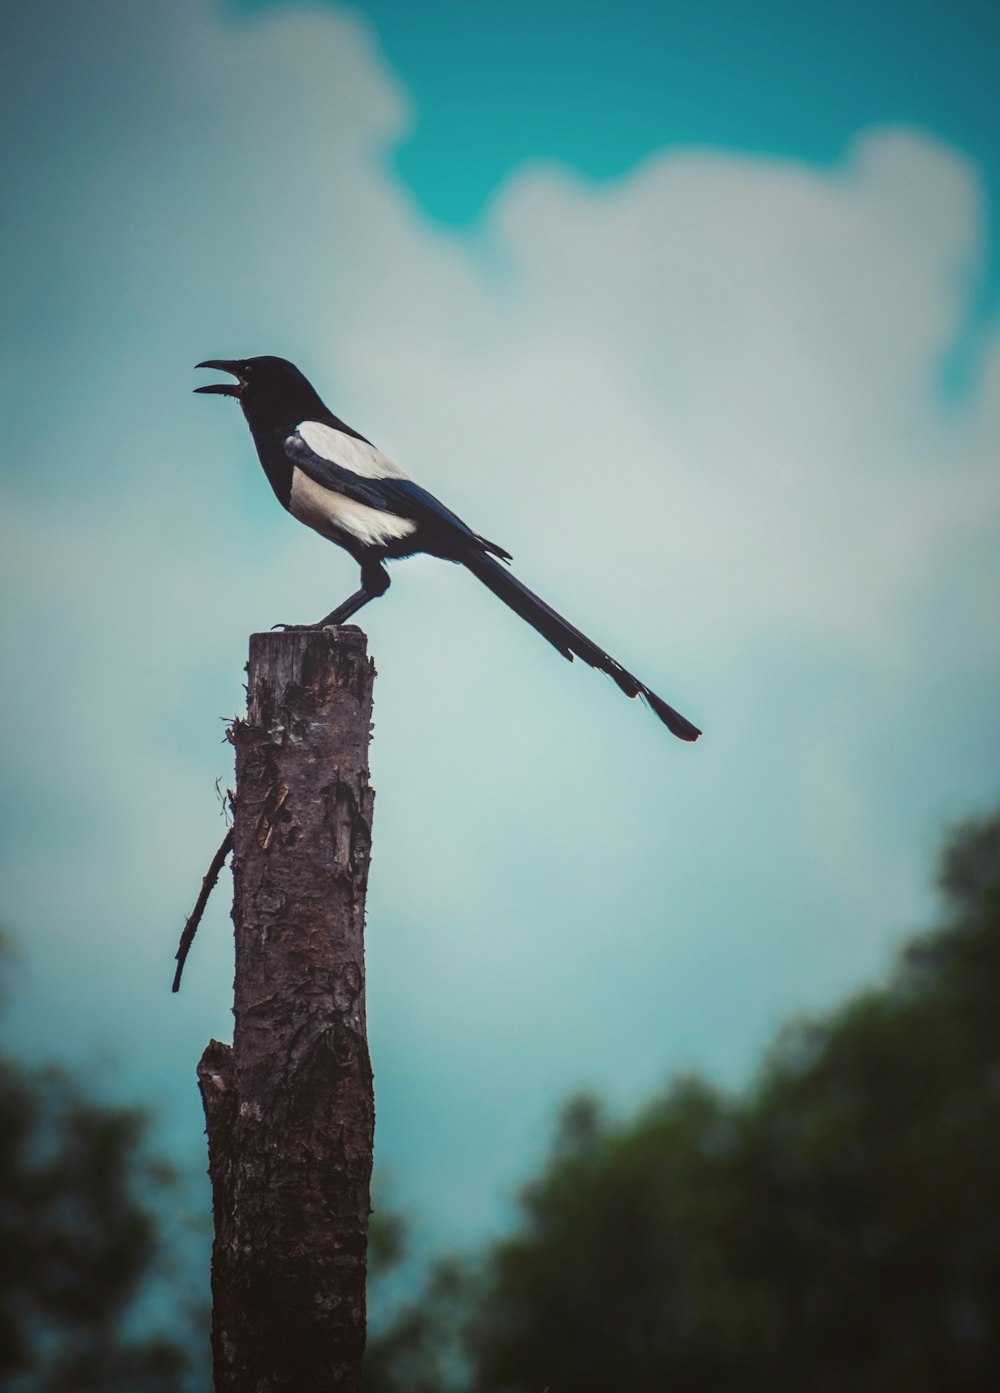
417,1350
836,1228
77,1238
420,1350
386,1241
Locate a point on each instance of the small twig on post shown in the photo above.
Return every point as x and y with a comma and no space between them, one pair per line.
289,1108
194,918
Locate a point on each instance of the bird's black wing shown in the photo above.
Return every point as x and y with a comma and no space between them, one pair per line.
325,455
389,493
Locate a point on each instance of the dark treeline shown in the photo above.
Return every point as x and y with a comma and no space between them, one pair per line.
80,1239
834,1229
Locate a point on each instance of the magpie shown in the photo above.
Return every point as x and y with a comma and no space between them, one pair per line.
336,482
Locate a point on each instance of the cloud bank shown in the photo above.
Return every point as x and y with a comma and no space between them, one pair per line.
701,405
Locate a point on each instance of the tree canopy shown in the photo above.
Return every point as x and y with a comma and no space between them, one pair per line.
78,1239
834,1227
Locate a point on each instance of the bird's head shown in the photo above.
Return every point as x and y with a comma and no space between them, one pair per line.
266,388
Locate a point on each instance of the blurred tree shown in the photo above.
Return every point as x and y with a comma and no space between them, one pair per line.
77,1239
835,1228
418,1348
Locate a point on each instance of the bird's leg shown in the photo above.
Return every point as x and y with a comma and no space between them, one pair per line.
374,582
344,611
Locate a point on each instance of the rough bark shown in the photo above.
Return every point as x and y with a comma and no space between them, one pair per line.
289,1107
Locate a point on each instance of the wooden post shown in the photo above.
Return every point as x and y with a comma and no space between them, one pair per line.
289,1106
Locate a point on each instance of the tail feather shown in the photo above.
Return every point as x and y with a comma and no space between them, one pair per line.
570,641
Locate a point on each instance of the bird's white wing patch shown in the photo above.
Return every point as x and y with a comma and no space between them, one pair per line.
346,450
333,515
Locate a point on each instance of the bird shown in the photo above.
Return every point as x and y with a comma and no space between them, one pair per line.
334,480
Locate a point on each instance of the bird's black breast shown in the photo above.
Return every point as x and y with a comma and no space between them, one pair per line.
275,462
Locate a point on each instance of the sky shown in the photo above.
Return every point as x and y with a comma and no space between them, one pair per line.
693,309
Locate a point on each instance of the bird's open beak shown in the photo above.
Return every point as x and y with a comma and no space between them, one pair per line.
223,389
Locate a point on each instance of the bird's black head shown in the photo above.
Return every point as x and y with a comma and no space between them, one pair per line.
270,390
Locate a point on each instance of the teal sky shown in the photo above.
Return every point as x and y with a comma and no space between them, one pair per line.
661,297
602,86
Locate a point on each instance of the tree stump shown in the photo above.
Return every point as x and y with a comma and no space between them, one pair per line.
289,1107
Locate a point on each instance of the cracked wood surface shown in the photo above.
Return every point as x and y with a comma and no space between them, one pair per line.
289,1106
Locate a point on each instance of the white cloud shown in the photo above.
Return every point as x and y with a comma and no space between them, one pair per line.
700,406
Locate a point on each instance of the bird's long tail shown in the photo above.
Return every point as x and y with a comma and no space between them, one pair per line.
569,641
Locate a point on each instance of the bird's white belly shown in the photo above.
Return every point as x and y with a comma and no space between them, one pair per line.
331,514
